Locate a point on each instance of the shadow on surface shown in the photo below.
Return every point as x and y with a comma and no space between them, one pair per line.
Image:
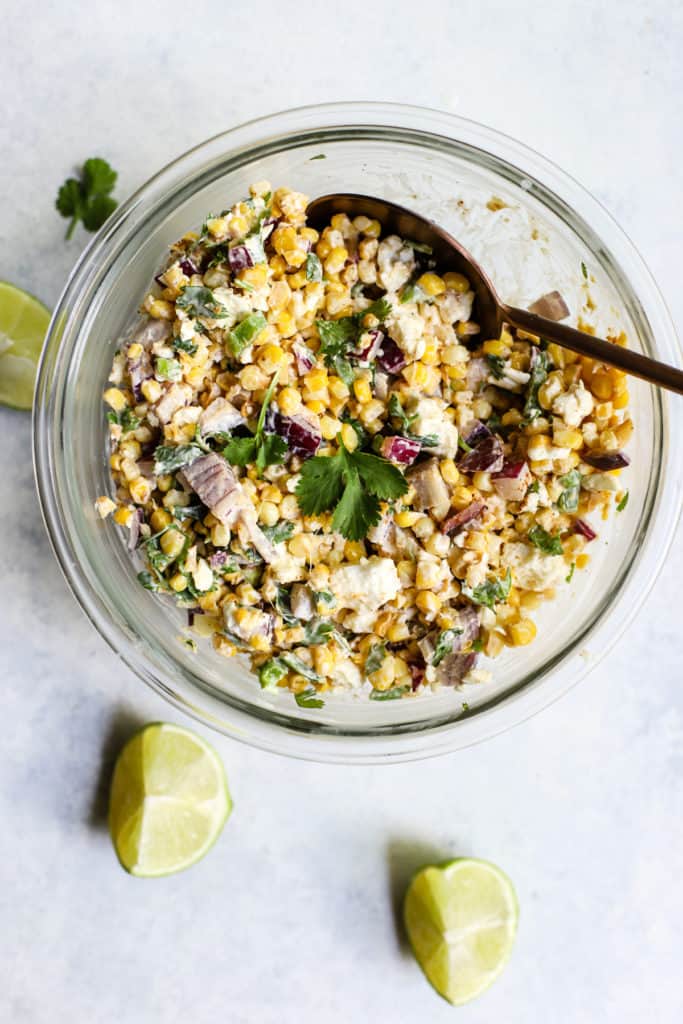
404,858
124,723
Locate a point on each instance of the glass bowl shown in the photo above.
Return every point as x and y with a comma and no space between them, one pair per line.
541,230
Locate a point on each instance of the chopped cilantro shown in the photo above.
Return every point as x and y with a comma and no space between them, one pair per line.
623,503
568,577
183,345
314,268
376,656
197,300
126,419
538,373
548,543
300,667
584,271
444,645
490,592
262,449
169,458
496,366
317,631
281,531
568,501
319,156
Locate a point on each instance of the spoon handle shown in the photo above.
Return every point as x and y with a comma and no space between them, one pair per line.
595,348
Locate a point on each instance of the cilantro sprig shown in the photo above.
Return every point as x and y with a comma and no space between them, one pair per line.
338,338
88,198
548,543
351,483
490,592
262,449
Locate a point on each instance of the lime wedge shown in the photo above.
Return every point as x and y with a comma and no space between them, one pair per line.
169,800
461,919
23,325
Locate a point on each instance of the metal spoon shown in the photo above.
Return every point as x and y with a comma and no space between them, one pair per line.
491,311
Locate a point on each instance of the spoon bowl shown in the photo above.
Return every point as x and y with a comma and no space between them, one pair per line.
491,312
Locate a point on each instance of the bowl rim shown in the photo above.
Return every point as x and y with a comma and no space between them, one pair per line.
512,708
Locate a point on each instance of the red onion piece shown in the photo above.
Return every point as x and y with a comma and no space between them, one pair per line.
239,258
390,357
305,360
218,559
512,481
487,456
188,267
476,432
606,460
301,435
460,519
418,674
403,450
372,341
582,527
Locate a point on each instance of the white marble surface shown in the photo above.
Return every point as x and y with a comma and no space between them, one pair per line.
291,918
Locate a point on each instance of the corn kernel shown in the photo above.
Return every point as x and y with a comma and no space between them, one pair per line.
271,358
334,263
316,405
582,561
361,389
495,347
529,601
383,678
406,518
522,632
371,411
354,550
151,389
601,385
329,427
300,546
416,374
456,282
462,497
160,309
172,543
431,284
449,471
289,401
178,582
289,509
429,603
220,535
424,527
123,516
115,399
349,437
140,490
252,378
373,229
268,513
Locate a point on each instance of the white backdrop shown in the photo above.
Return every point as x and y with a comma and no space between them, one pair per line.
291,918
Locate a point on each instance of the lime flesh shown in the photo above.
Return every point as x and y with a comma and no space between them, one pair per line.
23,325
461,919
169,801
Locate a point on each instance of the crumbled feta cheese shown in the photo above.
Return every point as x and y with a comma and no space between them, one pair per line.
455,306
237,306
370,583
202,575
347,674
396,263
104,506
532,570
574,405
432,419
512,380
537,498
407,330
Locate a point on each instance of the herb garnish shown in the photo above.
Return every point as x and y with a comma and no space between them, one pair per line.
314,268
568,501
496,365
548,543
376,656
262,449
284,607
538,373
338,337
351,483
396,410
197,300
490,592
444,645
623,503
169,458
126,419
568,577
317,631
184,345
583,270
281,531
89,198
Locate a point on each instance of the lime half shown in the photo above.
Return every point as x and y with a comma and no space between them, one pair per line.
169,800
23,325
461,919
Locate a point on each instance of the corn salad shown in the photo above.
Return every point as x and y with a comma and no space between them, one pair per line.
316,453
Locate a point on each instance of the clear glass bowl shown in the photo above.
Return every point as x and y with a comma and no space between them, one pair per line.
447,168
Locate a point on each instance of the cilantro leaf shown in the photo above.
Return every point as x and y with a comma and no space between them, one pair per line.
314,268
336,335
308,698
278,533
381,308
396,410
126,419
357,512
317,631
181,345
240,451
320,485
444,645
352,483
98,177
546,542
496,366
88,199
623,503
200,301
490,592
169,458
376,656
